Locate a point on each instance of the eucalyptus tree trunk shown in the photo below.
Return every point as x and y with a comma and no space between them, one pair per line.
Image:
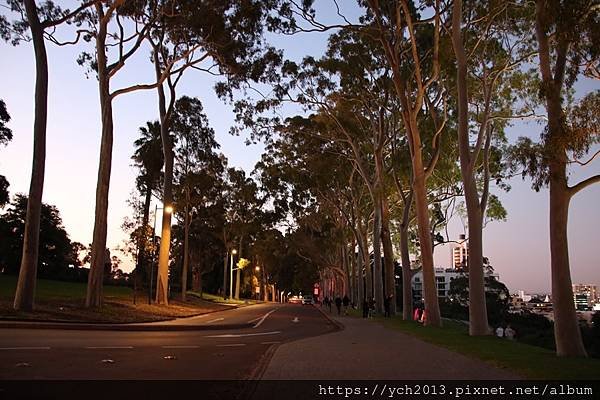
407,297
186,254
367,262
478,320
25,292
566,329
377,267
162,282
432,307
95,277
388,255
143,256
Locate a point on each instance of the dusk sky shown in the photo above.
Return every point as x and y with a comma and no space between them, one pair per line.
518,248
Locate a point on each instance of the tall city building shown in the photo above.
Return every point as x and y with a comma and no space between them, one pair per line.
460,253
585,295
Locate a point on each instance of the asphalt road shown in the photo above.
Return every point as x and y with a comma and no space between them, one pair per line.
183,355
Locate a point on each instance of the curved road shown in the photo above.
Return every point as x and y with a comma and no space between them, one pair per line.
204,354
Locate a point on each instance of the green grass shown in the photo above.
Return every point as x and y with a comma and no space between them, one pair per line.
219,299
64,301
531,362
54,290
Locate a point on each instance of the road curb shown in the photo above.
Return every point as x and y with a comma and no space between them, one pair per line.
121,327
337,324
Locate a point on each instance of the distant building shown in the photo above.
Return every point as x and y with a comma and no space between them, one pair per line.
582,302
460,253
443,277
585,296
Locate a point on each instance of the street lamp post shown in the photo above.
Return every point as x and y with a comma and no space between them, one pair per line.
233,252
169,210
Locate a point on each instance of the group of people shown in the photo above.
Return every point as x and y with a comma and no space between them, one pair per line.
339,302
368,307
419,314
507,332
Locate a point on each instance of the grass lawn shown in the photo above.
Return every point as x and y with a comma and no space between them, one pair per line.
64,301
529,361
219,299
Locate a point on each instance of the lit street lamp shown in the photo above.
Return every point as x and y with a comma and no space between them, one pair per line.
168,210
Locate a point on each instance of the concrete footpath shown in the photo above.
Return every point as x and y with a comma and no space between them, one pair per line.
365,349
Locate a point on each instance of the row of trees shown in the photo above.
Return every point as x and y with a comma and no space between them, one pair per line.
403,116
221,37
407,111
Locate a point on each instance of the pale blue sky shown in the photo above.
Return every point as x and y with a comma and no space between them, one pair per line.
518,248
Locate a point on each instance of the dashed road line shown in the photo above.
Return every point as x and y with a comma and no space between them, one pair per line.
215,320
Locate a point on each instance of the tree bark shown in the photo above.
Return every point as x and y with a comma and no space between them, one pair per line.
377,267
162,283
407,297
566,329
95,277
432,307
25,292
186,253
388,255
478,321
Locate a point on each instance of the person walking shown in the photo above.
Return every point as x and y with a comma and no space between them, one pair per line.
371,306
365,308
500,331
387,305
509,333
346,303
327,303
338,304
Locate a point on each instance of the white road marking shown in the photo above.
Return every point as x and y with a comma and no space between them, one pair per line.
263,318
295,319
273,342
231,345
254,320
180,347
232,335
25,348
107,347
215,320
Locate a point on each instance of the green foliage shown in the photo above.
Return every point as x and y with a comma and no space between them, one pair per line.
58,256
5,131
497,298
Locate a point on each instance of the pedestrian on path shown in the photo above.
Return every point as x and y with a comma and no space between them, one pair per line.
387,304
338,304
365,308
500,331
346,303
371,307
509,333
327,303
416,314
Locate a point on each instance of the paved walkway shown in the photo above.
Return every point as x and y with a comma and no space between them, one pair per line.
367,350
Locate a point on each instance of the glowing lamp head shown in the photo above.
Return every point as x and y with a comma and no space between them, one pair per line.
234,251
169,209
